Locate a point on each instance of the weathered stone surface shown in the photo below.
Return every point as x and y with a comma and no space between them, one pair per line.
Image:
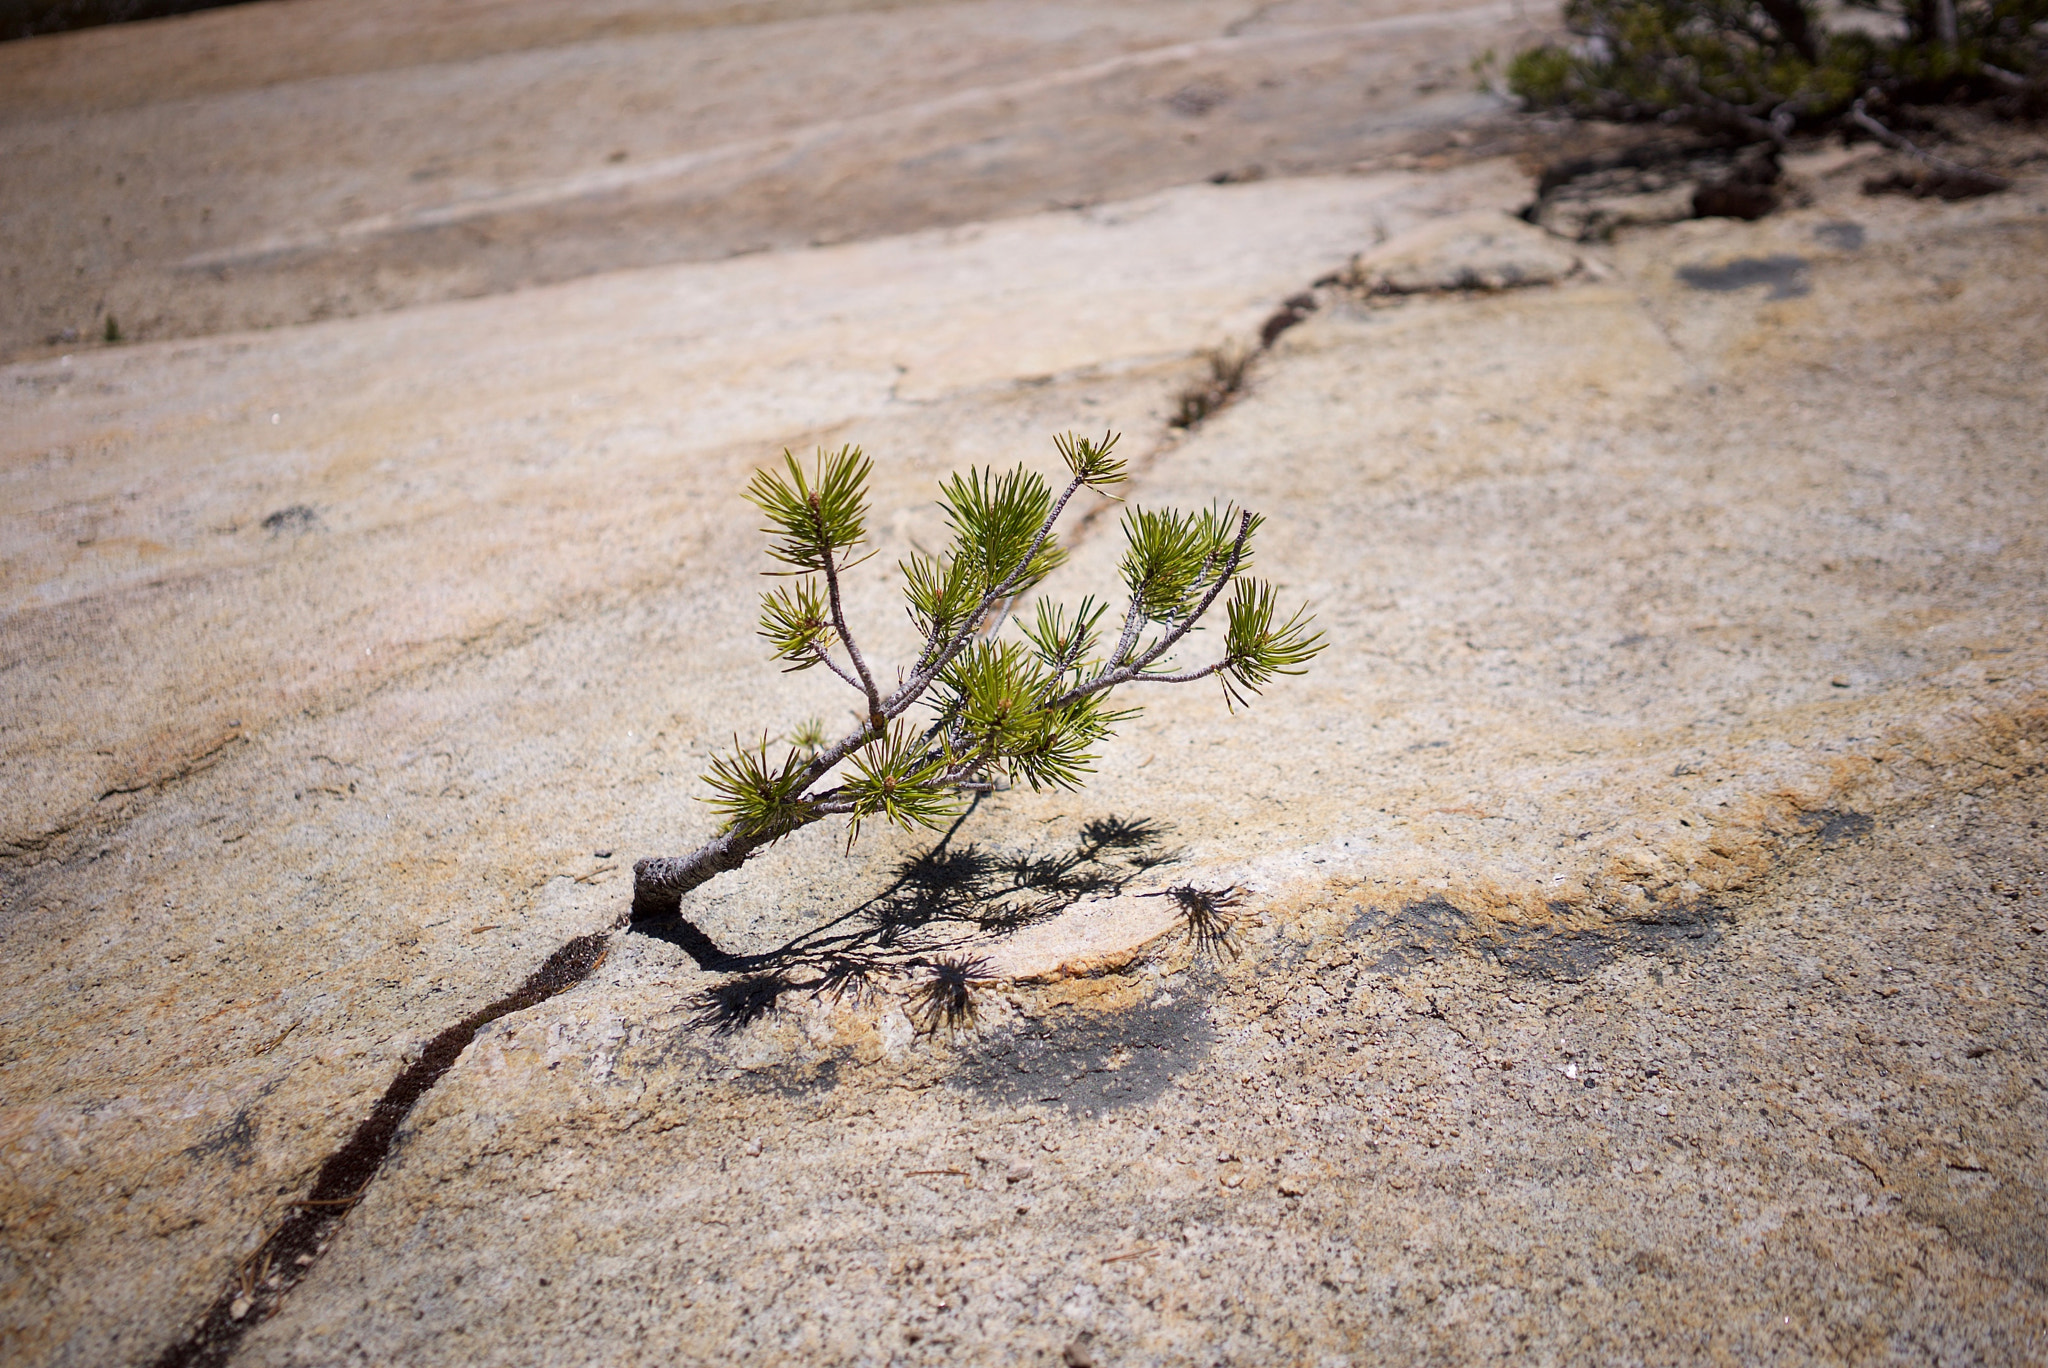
1684,711
1594,218
1805,1132
1494,831
331,157
1482,250
289,793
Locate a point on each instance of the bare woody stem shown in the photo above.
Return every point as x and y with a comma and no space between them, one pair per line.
1861,117
660,881
1133,621
829,663
1190,677
867,684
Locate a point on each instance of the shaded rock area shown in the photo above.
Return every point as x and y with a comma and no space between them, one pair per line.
1681,734
30,18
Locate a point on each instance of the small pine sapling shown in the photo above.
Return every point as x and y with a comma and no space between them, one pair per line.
998,709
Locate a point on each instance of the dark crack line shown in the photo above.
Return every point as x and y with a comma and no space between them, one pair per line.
293,1249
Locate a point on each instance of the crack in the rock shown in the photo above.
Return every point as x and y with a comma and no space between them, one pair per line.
183,770
290,1252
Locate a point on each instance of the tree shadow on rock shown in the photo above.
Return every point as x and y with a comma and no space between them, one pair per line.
738,1002
937,904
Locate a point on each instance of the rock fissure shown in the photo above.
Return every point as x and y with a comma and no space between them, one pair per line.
294,1247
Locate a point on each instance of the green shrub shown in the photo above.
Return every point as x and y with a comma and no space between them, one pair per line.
1759,68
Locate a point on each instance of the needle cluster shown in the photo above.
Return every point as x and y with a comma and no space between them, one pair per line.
979,707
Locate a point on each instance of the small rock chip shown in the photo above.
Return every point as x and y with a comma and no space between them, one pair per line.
1594,219
752,1148
1292,1187
1484,250
1019,1171
238,1308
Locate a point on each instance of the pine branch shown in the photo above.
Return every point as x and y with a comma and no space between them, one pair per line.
867,683
921,680
1004,710
1114,675
1861,117
834,666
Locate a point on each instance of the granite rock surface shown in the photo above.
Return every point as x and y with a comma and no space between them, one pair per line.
1635,920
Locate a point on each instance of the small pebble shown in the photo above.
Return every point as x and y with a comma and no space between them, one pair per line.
1019,1171
751,1148
238,1308
1292,1187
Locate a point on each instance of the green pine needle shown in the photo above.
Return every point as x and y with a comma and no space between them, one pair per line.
1064,643
943,593
1091,462
817,518
809,737
797,623
900,779
994,519
1172,558
1255,650
756,798
1000,707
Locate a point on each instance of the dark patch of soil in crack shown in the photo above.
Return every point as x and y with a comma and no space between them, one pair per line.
282,1261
